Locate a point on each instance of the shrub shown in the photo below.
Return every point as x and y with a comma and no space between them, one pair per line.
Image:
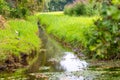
19,9
4,8
75,9
68,10
19,12
105,41
78,8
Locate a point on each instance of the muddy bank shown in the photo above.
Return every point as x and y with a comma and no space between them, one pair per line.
2,22
13,62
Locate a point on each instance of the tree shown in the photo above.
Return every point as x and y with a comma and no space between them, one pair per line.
57,5
20,8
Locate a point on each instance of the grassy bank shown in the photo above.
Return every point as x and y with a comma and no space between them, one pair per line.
69,29
19,36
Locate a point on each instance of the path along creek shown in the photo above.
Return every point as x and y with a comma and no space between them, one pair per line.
56,63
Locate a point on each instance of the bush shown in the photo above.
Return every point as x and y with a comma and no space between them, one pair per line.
78,9
68,10
19,12
105,41
9,8
75,9
4,8
92,9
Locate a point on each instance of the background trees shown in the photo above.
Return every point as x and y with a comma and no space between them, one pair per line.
56,5
20,8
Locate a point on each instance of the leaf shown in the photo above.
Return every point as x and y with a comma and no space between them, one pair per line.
98,52
92,48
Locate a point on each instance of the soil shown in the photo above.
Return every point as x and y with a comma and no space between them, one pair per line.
12,63
2,22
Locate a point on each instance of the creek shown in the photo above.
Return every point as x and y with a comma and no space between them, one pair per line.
56,63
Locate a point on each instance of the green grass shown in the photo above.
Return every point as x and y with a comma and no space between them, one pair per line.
19,36
70,29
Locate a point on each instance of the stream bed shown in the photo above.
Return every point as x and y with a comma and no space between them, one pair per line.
66,67
70,67
61,64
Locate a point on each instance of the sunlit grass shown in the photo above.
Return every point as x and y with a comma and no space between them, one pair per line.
52,13
19,36
69,29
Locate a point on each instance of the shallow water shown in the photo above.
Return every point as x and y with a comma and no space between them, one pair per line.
70,67
66,67
71,62
56,64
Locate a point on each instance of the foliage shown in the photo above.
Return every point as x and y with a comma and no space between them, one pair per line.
56,5
19,8
19,12
76,9
80,8
4,8
105,42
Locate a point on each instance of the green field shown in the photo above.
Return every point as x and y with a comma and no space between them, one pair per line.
70,29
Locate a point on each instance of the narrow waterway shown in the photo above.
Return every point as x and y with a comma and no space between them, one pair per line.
60,64
56,63
66,66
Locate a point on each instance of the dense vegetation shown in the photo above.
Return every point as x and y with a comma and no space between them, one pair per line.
79,7
106,41
19,8
56,5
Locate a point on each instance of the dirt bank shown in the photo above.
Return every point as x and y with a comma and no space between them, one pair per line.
13,62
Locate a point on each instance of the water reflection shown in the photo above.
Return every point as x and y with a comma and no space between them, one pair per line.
71,62
72,78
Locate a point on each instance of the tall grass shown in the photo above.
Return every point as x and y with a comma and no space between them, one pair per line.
19,36
73,30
